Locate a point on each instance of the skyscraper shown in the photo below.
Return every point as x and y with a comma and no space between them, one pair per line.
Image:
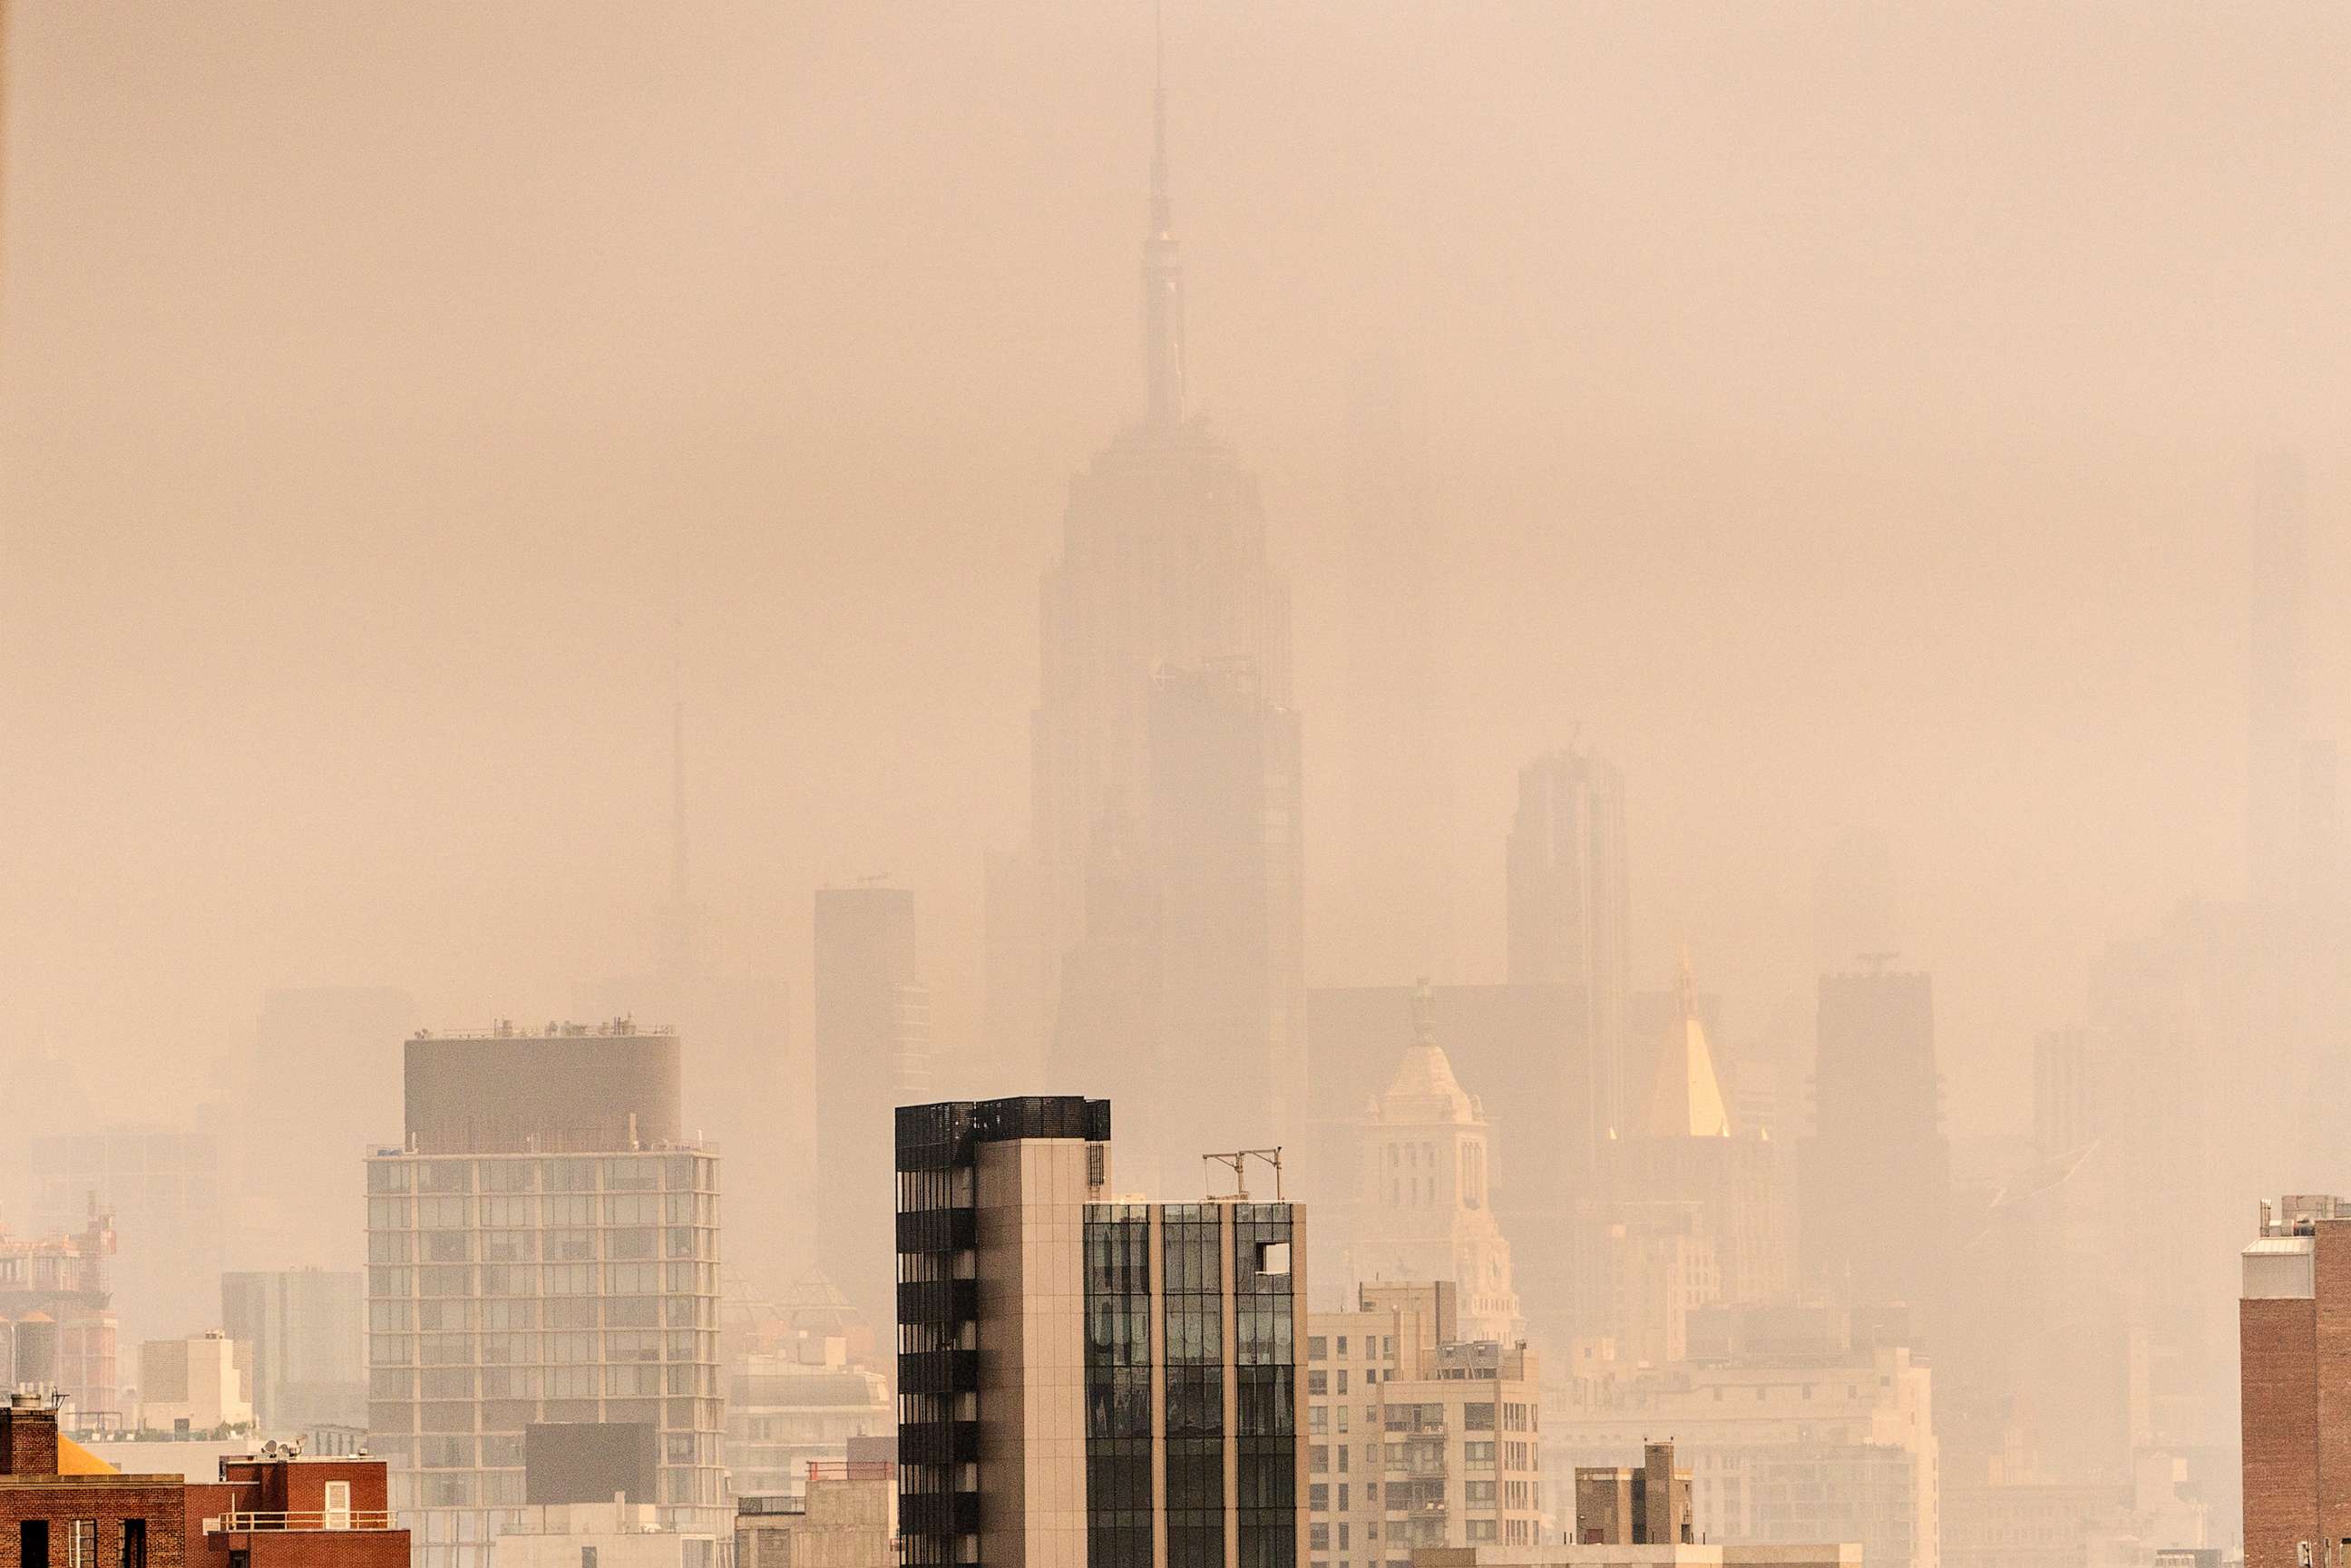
1136,1399
1163,732
1874,1178
872,1054
1570,907
543,1253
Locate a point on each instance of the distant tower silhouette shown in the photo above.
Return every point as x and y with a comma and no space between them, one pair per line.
1163,717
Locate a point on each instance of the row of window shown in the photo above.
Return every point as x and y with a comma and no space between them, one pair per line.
35,1548
1476,1455
580,1278
551,1349
456,1212
498,1412
1318,1346
442,1315
579,1246
610,1172
631,1380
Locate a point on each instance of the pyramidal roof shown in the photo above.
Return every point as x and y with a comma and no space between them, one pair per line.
1686,1097
1424,1088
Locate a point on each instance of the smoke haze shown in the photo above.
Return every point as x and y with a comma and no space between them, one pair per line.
1843,417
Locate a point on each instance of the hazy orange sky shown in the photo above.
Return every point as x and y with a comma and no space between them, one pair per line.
1842,415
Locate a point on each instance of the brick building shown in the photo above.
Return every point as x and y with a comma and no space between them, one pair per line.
60,1506
2295,1340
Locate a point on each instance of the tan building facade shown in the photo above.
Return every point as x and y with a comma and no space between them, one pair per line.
1841,1447
1415,1437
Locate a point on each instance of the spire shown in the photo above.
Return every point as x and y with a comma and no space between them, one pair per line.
1686,1099
1162,272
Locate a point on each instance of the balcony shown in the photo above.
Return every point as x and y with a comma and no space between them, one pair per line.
297,1519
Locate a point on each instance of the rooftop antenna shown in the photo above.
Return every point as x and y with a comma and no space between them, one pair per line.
1238,1162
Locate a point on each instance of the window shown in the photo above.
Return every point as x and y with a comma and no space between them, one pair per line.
1342,1344
587,1557
1318,1383
33,1544
81,1543
1319,1349
134,1544
1343,1380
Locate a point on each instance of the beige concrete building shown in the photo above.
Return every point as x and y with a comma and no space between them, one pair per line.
1086,1381
192,1384
1826,1442
846,1516
1414,1436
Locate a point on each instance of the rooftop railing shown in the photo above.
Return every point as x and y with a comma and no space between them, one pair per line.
240,1524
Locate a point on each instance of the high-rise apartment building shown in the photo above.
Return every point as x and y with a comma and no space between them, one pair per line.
1874,1178
1570,907
1415,1437
872,1054
544,1254
1162,834
1085,1381
1422,1208
2294,1344
304,1344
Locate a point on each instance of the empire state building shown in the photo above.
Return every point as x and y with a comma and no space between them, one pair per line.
1147,941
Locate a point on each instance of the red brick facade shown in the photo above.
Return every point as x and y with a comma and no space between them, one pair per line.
272,1510
2295,1404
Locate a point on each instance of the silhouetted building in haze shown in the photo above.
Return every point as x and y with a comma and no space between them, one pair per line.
1570,907
304,1344
1164,720
1875,1175
872,1041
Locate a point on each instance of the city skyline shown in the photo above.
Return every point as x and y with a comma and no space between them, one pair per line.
529,515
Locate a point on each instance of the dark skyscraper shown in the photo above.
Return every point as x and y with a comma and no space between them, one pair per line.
1166,774
1570,909
1876,1177
873,1053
